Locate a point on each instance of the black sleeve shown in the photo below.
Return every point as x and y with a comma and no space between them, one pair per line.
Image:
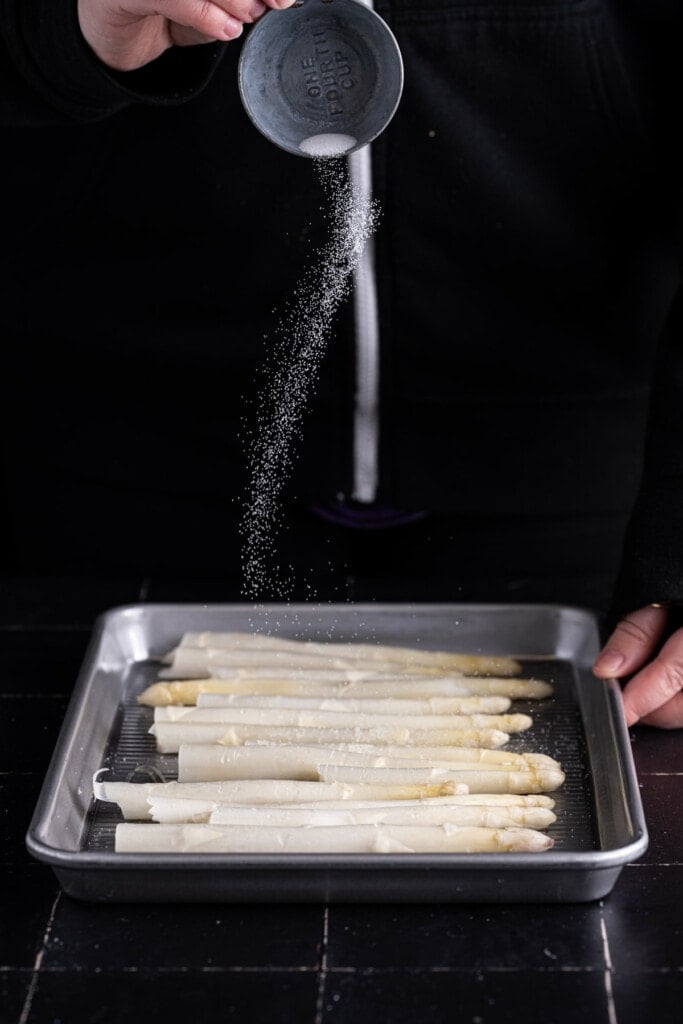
652,565
50,76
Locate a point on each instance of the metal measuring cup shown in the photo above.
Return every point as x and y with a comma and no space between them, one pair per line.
321,78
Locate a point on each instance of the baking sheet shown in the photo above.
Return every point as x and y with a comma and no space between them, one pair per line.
600,824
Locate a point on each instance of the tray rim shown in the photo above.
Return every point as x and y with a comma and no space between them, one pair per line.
60,858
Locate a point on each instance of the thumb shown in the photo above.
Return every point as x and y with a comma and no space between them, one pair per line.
632,643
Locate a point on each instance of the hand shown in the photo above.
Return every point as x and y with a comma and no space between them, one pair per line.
653,695
126,34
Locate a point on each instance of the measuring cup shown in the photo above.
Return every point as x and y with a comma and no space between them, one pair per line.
321,78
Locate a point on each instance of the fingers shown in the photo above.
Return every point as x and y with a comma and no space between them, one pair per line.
243,10
669,716
207,16
632,643
202,21
204,18
182,36
658,684
127,34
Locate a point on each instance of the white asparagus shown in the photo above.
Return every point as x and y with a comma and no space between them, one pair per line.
407,814
213,763
484,754
261,761
132,797
414,814
170,736
303,718
362,705
169,810
186,691
477,780
311,673
353,649
141,838
200,661
174,811
472,799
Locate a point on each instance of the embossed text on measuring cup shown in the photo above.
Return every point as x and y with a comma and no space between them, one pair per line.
327,73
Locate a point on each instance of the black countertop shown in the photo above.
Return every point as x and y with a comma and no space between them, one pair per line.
616,960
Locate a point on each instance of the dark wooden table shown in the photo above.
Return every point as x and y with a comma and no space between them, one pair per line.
616,961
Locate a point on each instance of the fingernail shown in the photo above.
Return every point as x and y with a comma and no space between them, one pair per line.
257,9
610,661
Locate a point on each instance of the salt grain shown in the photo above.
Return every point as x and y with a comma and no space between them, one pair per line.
290,374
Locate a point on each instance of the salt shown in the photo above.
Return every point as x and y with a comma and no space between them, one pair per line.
327,145
290,373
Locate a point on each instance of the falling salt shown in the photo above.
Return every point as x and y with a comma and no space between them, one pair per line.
290,374
327,145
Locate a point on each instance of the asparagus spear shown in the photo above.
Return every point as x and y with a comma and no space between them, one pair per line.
407,814
431,754
362,705
136,795
477,780
141,838
261,761
200,661
186,691
170,809
338,719
367,651
132,797
353,673
208,762
170,736
174,811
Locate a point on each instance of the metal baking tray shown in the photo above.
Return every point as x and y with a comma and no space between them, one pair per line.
600,824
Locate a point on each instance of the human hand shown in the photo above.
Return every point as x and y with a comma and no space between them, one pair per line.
654,694
126,34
